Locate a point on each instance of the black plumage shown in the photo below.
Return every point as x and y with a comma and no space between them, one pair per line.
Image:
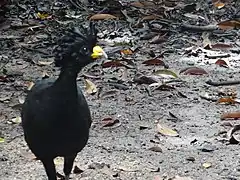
55,116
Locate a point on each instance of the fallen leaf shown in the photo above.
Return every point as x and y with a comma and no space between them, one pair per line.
229,24
42,16
109,122
112,64
222,63
165,87
126,52
221,46
233,139
226,100
193,71
165,73
158,39
181,178
16,120
90,87
155,62
102,17
45,63
219,4
2,140
137,4
149,17
166,131
30,85
207,165
21,99
155,149
231,115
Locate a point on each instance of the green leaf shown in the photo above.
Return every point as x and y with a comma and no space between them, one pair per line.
165,73
2,140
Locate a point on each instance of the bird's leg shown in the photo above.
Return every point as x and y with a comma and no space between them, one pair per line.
68,164
49,168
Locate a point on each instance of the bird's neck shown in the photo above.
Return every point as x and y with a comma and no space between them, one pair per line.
67,78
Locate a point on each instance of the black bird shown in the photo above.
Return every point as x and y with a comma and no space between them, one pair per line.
55,116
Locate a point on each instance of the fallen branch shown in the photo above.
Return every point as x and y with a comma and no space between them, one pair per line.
199,28
224,83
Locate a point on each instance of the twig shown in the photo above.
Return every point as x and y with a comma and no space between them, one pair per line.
224,83
199,28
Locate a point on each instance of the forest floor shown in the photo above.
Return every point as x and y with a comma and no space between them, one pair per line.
153,117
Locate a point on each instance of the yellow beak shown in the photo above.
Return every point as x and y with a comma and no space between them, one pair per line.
98,52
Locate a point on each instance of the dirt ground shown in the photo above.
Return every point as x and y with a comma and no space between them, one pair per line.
131,148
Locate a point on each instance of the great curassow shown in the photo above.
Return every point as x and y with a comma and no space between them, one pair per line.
55,115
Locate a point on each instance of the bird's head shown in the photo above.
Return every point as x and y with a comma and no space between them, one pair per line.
78,47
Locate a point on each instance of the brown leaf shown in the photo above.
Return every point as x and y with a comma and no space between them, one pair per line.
109,122
222,63
102,17
221,46
231,115
155,61
137,4
150,17
226,100
155,149
229,24
193,71
112,64
218,4
126,52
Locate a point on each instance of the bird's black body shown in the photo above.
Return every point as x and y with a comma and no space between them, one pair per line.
55,116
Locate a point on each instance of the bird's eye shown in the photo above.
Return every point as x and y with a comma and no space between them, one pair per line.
85,50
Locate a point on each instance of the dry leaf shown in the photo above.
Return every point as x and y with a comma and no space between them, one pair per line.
112,64
207,165
30,85
102,17
155,62
109,122
2,140
233,139
45,63
16,120
42,16
232,115
181,178
193,71
126,52
90,87
165,73
155,149
166,131
222,63
221,46
229,24
21,99
226,100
